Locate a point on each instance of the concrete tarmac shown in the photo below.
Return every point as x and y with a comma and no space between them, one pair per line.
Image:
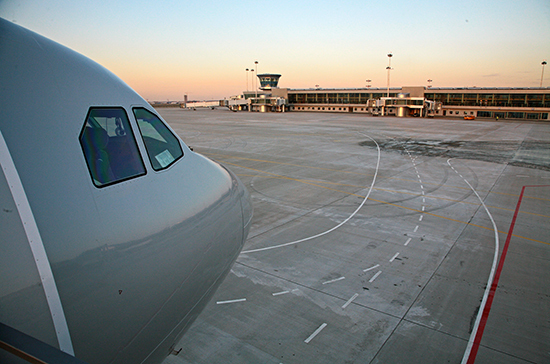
376,240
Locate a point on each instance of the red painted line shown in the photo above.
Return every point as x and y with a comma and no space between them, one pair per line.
494,285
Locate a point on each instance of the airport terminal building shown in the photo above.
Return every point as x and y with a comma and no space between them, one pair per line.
502,103
416,101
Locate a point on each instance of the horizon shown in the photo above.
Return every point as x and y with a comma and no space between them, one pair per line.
427,88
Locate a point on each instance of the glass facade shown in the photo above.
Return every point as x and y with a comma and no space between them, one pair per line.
493,99
505,98
334,97
516,115
536,100
501,99
484,114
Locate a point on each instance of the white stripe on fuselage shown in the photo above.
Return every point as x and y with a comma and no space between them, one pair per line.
37,248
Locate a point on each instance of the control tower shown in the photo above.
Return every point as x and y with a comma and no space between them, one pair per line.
268,81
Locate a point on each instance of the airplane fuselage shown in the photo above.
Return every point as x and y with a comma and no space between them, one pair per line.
137,230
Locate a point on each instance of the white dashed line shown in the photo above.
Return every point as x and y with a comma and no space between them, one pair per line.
421,217
375,266
334,280
408,241
231,301
315,333
279,293
415,229
350,300
375,276
395,256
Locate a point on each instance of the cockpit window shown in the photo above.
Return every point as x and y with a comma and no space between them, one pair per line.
109,146
162,146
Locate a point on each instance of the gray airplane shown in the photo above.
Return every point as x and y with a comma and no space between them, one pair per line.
113,233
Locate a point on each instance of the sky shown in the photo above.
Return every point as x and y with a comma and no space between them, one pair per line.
168,49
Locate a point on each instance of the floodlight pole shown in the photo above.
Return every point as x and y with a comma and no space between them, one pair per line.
389,69
542,75
256,63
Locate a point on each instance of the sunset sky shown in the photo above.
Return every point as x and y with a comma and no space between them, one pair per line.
166,49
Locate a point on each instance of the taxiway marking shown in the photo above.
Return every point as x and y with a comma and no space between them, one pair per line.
340,224
231,301
340,171
350,300
472,350
334,280
280,293
375,276
315,333
467,352
374,266
316,183
372,199
395,256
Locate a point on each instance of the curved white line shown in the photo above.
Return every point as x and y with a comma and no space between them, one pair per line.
37,248
491,275
335,227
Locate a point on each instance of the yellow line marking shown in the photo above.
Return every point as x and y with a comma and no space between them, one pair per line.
285,164
357,173
380,201
394,191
